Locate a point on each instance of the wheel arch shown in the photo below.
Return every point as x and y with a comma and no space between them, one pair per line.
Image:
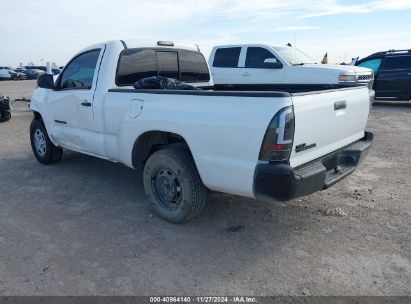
154,140
37,115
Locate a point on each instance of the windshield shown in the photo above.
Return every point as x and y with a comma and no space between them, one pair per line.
293,56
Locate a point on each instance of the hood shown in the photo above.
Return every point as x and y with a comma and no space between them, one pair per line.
323,73
347,69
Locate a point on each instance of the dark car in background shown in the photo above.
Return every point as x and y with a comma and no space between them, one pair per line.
21,70
392,73
12,74
55,71
20,75
31,73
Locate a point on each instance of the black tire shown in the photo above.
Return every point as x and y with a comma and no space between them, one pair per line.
47,153
173,185
5,115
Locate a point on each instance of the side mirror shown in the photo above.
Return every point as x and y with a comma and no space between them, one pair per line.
272,63
45,81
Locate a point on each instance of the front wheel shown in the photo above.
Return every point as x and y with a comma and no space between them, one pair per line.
5,115
173,185
43,149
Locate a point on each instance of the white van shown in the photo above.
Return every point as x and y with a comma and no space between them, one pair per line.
6,73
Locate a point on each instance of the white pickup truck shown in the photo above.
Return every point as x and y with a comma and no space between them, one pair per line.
275,145
265,67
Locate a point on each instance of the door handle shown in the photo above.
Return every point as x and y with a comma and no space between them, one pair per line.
86,103
245,74
339,105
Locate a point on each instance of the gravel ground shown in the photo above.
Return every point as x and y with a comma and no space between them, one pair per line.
84,227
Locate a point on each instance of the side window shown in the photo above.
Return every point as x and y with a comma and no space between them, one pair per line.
135,64
193,67
373,64
227,57
255,57
79,73
167,64
397,63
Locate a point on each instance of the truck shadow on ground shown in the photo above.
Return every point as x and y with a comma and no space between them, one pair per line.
232,211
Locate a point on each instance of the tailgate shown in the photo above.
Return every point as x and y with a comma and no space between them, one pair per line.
326,121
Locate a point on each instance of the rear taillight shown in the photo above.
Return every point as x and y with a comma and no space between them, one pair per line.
278,139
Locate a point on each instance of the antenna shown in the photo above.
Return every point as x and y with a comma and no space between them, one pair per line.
295,45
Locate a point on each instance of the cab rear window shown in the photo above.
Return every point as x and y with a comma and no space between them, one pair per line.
193,67
184,65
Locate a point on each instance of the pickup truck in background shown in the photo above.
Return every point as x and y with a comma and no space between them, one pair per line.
265,67
274,145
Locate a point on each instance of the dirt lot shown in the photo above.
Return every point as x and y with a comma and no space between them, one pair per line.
84,226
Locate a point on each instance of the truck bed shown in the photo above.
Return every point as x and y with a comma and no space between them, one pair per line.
246,92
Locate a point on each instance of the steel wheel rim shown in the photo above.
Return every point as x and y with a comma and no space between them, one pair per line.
40,143
167,188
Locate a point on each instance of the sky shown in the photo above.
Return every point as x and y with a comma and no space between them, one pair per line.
54,30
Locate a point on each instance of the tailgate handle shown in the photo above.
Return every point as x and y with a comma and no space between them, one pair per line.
338,105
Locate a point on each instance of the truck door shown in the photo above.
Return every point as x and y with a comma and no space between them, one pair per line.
255,74
71,104
224,67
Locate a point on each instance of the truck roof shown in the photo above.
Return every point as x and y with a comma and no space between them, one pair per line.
247,44
138,43
134,43
389,52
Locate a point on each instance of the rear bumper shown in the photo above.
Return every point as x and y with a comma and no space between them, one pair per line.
282,182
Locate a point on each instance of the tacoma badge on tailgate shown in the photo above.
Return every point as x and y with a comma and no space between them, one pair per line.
304,146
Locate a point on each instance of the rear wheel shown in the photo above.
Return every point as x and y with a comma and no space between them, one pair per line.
43,149
173,185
